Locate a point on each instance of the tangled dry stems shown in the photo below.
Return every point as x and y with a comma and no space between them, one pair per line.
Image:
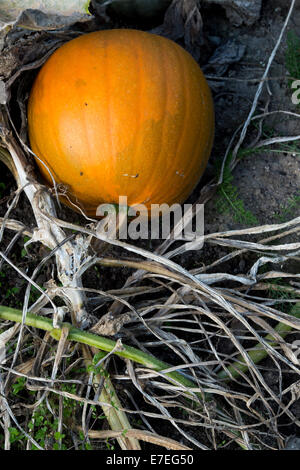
207,323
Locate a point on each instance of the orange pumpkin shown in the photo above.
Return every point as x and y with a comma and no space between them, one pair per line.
121,113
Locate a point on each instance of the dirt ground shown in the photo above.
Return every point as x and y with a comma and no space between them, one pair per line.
267,180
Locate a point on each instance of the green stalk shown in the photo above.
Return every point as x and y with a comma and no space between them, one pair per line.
116,418
99,342
147,360
257,354
106,344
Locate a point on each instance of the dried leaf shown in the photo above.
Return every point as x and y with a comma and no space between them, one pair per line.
243,11
141,435
11,10
183,20
4,338
23,47
3,95
226,54
240,11
109,324
133,9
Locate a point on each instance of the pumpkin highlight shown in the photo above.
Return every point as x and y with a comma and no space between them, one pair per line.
121,113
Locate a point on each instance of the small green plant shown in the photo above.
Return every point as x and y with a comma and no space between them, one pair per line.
34,294
95,368
15,435
69,404
293,63
58,444
287,210
85,445
228,200
279,290
44,426
2,276
97,270
2,189
109,446
19,385
222,443
23,251
292,59
11,293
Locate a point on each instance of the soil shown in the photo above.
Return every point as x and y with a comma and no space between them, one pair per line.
267,180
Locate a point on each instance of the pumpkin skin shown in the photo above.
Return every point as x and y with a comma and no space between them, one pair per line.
121,113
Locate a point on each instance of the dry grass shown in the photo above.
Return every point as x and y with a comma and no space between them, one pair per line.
207,322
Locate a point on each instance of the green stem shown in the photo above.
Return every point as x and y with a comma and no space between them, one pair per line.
115,416
257,354
147,360
106,344
99,342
